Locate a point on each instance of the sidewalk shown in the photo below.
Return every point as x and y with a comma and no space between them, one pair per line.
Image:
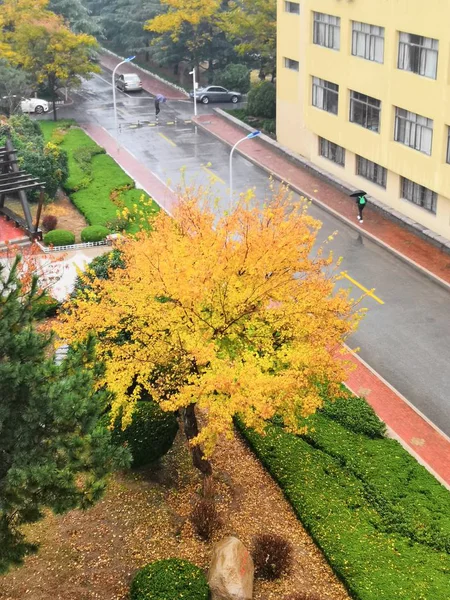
143,177
429,446
381,229
150,84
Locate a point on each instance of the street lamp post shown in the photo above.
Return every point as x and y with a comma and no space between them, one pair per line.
195,90
129,59
247,137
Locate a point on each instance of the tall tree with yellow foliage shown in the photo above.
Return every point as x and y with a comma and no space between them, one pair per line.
220,316
193,19
39,42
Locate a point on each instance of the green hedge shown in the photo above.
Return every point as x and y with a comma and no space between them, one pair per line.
94,233
59,237
171,579
150,434
99,268
93,176
381,519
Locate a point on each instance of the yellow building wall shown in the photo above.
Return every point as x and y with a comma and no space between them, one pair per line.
299,123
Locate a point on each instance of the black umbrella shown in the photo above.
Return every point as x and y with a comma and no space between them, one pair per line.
357,194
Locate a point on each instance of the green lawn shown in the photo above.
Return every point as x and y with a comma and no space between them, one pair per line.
93,175
381,519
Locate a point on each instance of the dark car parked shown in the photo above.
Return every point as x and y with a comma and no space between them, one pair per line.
215,93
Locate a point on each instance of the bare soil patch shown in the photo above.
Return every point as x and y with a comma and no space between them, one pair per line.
144,517
68,216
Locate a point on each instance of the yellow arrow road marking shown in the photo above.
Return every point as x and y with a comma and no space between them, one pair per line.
361,287
212,174
168,140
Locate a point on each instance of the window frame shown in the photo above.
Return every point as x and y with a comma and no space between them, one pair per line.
288,5
287,63
422,190
370,164
327,148
327,93
370,41
413,129
411,54
365,104
324,28
448,145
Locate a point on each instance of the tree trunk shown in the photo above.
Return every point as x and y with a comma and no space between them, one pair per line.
191,431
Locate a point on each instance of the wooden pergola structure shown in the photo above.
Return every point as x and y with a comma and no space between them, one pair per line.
16,182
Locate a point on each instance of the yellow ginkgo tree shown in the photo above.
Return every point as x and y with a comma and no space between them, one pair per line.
220,317
191,19
39,41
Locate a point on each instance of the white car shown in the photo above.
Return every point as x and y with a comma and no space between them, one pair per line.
34,105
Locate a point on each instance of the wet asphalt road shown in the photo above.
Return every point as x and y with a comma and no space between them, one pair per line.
406,339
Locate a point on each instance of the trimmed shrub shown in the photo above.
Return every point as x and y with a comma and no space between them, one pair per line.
270,126
59,237
234,77
94,233
49,223
205,518
262,100
379,517
272,555
46,307
150,434
99,268
356,415
171,579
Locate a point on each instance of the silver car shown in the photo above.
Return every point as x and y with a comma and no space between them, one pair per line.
215,93
129,82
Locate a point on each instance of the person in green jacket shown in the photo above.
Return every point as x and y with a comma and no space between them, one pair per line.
361,201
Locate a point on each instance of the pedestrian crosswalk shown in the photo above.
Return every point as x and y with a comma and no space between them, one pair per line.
145,123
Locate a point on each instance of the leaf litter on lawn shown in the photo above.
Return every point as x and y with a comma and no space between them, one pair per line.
144,516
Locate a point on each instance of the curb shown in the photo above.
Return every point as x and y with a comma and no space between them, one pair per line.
296,159
435,278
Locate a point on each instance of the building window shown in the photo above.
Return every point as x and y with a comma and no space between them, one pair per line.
291,64
448,145
325,95
326,30
418,194
365,111
413,130
368,41
292,7
332,151
371,171
418,54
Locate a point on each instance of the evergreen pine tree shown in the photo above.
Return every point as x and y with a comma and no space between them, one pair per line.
53,452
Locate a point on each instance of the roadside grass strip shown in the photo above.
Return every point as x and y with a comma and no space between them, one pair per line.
382,521
94,177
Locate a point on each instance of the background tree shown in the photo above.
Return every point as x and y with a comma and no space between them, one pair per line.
252,24
53,54
77,15
52,453
14,84
193,19
235,319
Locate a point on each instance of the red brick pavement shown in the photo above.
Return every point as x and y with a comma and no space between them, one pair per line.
398,238
414,431
156,188
8,231
149,83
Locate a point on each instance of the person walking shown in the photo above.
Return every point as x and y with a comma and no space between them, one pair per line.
361,202
158,100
